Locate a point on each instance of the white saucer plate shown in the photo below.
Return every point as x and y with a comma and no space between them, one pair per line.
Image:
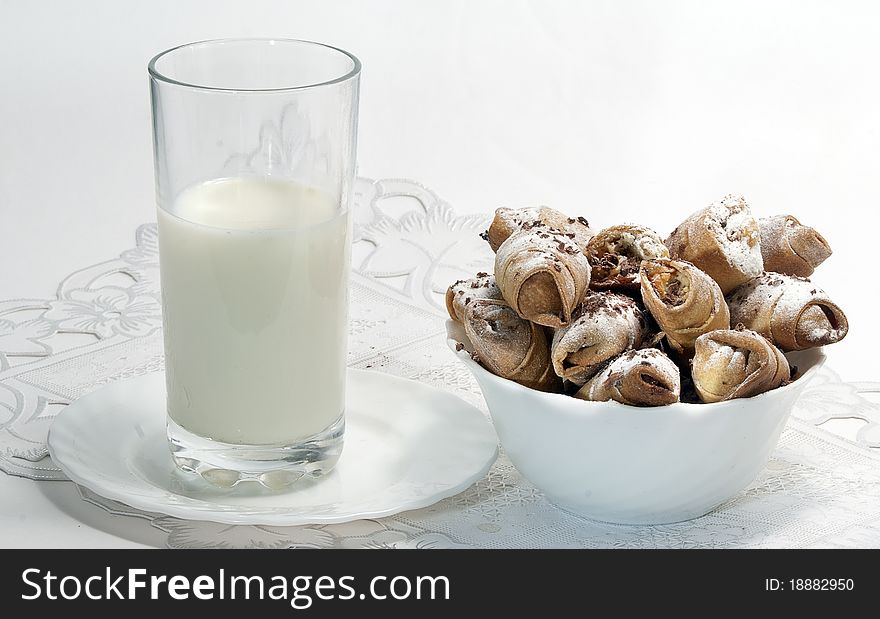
407,446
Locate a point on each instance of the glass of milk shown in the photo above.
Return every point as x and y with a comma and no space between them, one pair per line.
254,143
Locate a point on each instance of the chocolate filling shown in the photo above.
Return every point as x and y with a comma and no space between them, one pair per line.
668,285
618,261
831,316
650,380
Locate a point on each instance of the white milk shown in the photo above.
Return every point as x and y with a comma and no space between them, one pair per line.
255,299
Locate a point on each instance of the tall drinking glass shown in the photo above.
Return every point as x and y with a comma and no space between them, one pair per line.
254,144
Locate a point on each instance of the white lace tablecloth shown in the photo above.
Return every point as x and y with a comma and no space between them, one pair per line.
818,490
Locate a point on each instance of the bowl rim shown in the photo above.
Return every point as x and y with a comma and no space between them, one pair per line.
455,334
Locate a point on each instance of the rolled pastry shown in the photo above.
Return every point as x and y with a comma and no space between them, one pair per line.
723,240
638,377
509,346
790,247
542,274
791,312
605,325
509,220
465,291
732,364
615,255
684,301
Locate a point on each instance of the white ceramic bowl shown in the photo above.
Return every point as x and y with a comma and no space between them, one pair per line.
630,465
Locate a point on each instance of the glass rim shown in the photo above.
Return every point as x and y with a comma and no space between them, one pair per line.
159,76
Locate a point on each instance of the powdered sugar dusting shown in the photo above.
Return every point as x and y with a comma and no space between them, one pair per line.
509,220
519,216
527,253
636,359
817,334
773,305
775,230
465,291
541,243
606,325
790,247
643,377
737,231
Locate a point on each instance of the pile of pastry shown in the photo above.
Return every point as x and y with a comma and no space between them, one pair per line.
623,315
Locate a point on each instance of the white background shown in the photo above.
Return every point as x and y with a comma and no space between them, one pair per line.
635,111
640,111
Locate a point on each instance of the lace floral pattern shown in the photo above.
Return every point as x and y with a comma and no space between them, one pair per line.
817,491
105,312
